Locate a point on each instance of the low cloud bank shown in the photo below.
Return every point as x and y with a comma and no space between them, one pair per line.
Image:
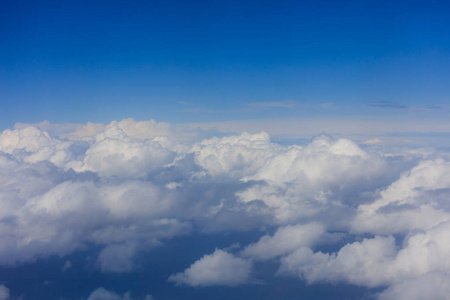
129,186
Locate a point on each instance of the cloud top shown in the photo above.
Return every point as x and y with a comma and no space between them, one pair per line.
219,268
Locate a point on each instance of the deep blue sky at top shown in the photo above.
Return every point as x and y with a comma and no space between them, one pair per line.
179,61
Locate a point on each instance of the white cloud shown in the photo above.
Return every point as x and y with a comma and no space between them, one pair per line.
417,200
143,129
4,292
104,294
128,186
362,263
42,215
377,261
33,145
234,156
116,154
434,285
285,240
299,182
219,268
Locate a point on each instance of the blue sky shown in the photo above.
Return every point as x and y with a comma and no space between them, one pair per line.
190,61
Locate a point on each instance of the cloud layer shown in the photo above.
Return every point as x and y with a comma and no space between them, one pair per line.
128,187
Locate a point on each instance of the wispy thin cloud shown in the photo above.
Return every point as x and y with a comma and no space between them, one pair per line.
290,104
251,107
188,107
388,104
275,104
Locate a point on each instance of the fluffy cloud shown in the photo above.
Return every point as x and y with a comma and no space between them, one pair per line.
417,200
323,176
4,292
33,145
116,154
363,263
234,156
285,240
377,261
134,129
434,285
219,268
103,294
127,187
45,216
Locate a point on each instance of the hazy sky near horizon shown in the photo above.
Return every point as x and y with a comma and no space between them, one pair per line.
203,61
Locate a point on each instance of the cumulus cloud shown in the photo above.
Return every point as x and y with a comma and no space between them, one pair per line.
363,263
48,211
116,154
4,292
285,240
299,182
378,262
417,200
434,285
33,145
127,187
104,294
234,156
219,268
